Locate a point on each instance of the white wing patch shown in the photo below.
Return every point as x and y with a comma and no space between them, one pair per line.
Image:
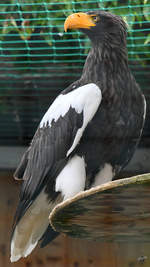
84,99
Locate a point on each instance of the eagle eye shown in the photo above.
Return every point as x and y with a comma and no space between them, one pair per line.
95,18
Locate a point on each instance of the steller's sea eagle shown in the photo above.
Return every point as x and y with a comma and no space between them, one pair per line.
86,137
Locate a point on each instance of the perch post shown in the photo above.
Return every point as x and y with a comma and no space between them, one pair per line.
117,213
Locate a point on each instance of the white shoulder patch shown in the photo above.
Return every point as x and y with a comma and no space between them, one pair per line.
89,99
86,99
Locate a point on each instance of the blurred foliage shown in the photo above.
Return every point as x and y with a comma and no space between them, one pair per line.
29,20
33,46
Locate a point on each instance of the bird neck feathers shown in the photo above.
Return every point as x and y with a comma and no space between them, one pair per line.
105,59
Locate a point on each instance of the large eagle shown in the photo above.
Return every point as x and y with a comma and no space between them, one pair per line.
86,137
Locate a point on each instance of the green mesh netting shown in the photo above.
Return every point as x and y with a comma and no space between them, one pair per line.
38,60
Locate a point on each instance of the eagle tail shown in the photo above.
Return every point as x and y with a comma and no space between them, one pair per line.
31,227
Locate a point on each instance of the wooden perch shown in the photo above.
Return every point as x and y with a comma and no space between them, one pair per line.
115,211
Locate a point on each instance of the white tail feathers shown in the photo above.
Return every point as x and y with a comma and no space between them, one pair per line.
30,228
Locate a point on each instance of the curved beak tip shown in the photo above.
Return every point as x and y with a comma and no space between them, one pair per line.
66,24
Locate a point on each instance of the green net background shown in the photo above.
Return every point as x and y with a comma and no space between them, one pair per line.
38,60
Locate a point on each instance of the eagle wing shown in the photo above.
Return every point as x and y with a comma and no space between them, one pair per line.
58,135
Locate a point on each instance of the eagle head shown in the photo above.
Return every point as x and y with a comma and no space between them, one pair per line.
99,26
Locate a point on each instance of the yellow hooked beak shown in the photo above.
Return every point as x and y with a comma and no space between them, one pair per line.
78,20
